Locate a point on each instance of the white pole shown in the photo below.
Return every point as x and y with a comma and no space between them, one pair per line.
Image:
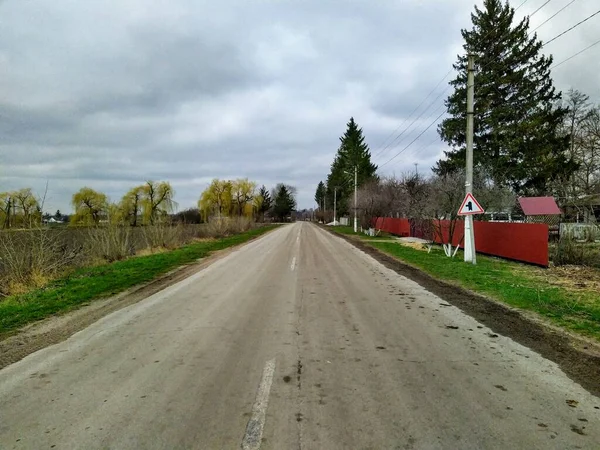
334,205
470,255
355,198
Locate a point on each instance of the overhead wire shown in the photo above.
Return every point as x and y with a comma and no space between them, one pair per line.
572,28
576,54
406,129
533,13
553,16
379,150
415,119
415,139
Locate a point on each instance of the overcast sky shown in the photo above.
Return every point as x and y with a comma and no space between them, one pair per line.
109,93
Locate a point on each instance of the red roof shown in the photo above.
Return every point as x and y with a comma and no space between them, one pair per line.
539,206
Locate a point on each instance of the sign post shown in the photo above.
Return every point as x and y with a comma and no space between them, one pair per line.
469,208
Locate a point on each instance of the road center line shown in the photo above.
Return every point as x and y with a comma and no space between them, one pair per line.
254,430
293,265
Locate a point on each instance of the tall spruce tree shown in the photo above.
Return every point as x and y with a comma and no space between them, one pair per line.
517,113
353,152
283,201
320,194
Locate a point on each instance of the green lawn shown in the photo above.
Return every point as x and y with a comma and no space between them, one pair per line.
349,230
515,284
87,284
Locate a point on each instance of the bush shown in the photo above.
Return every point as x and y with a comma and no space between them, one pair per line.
110,243
570,252
163,236
225,226
31,258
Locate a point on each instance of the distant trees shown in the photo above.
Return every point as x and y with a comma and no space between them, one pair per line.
517,118
352,153
216,200
19,209
89,205
131,205
157,200
189,215
243,193
320,194
150,203
263,202
582,126
284,202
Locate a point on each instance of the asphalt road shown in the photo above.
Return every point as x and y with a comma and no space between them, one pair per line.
295,341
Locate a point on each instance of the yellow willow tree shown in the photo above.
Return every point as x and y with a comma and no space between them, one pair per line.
216,199
27,208
90,206
131,205
242,193
157,200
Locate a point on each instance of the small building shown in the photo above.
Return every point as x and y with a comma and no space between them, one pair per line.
542,210
583,209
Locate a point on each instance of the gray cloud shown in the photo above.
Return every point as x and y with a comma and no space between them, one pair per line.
110,93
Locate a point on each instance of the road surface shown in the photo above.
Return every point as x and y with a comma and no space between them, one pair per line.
295,341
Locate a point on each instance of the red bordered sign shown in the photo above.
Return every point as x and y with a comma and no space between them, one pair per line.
470,206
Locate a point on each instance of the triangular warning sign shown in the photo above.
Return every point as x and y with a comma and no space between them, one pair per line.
470,206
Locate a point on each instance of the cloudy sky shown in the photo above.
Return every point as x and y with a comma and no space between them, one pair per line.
109,93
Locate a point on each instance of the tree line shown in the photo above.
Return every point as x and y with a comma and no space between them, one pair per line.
242,198
528,139
152,202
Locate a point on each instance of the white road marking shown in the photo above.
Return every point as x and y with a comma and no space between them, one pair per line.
293,266
254,430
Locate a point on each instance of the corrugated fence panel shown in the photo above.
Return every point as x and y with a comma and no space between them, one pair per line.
399,227
526,242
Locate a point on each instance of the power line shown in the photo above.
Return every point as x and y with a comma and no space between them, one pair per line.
417,118
573,56
533,13
572,28
415,139
553,16
518,7
379,150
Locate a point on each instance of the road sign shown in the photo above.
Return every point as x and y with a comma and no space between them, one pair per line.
470,206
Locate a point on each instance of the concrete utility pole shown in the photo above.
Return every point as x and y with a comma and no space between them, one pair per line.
469,232
334,205
355,197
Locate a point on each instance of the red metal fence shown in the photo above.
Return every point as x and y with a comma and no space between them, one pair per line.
526,242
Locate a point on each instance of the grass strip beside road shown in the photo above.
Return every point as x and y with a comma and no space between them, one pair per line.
518,285
106,280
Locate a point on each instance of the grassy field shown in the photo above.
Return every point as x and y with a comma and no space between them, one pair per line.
547,292
87,284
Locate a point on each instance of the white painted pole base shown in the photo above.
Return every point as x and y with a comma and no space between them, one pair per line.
470,255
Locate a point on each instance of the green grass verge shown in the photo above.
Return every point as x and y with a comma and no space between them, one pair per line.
87,284
349,230
515,284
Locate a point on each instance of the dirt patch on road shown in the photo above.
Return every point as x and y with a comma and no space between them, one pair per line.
581,365
53,330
